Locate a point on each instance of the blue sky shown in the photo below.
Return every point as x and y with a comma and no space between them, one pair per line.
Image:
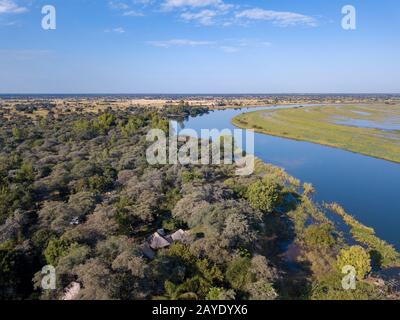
199,46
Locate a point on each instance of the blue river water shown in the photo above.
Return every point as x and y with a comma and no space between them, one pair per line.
368,188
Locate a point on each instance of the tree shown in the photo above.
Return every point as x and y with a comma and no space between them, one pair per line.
83,129
179,292
56,249
17,133
237,230
217,293
25,173
76,255
133,125
262,276
158,123
13,197
264,195
238,274
96,279
99,184
319,235
104,122
357,257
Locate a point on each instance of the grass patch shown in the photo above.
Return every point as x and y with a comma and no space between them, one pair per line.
383,253
320,125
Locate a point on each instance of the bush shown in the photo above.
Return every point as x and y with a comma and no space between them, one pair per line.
56,249
25,173
216,294
357,257
99,184
83,129
319,236
133,125
330,287
264,195
238,274
104,122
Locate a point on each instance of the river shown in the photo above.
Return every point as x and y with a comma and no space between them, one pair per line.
368,188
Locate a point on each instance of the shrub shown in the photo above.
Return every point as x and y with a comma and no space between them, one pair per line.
25,173
99,184
216,293
238,273
319,236
56,249
330,287
134,123
357,257
264,195
104,122
83,129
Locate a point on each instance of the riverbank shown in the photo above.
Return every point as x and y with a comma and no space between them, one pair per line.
365,129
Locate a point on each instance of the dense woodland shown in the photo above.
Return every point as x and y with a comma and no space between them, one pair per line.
77,193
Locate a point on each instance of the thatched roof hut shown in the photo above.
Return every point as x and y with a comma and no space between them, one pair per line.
158,242
180,235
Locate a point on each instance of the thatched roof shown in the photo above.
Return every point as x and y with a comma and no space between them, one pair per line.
180,235
158,242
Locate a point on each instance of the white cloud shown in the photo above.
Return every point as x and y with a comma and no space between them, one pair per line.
118,5
126,8
178,42
132,13
229,49
252,43
227,45
283,19
176,4
10,6
204,17
115,30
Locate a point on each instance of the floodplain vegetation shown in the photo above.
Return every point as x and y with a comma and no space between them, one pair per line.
77,193
369,129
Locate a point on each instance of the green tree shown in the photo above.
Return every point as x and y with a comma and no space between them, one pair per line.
159,123
56,249
132,126
319,235
17,133
13,197
25,173
357,257
217,293
83,129
99,184
179,292
264,195
104,122
238,273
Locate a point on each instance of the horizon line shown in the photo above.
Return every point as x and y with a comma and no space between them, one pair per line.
202,94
